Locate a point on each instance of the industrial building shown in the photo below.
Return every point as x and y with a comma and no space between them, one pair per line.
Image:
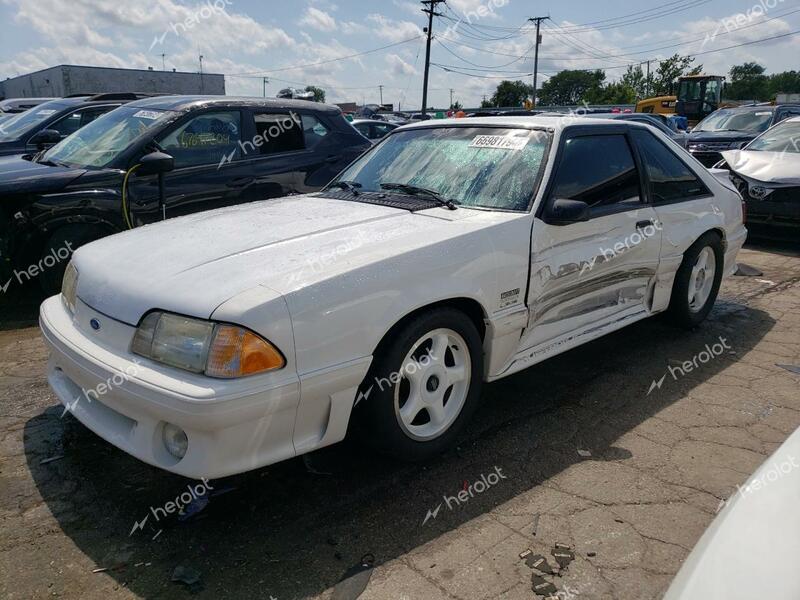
65,80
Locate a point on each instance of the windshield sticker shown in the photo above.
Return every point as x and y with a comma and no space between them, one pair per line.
499,142
147,114
46,112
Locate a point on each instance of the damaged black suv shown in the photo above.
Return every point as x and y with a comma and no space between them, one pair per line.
159,158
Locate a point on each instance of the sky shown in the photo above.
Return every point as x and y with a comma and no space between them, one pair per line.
350,48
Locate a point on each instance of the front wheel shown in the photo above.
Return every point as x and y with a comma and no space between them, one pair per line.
697,281
424,386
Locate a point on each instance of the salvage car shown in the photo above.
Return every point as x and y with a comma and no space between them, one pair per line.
767,174
50,122
453,252
12,106
163,157
733,128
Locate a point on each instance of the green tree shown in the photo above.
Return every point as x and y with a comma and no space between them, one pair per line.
787,82
636,80
456,106
569,88
748,82
613,93
319,93
511,93
668,72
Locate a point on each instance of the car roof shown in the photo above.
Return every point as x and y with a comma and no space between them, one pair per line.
537,122
186,103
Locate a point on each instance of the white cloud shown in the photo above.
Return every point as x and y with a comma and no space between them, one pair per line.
389,29
399,66
318,19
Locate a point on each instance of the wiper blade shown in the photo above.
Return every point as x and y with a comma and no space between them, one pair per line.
415,190
350,186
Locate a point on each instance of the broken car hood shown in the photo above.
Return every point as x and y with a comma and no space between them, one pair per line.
770,167
191,265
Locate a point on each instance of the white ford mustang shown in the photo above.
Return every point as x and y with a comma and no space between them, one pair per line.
452,253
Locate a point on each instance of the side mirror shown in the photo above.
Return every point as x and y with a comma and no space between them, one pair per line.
564,212
44,138
155,163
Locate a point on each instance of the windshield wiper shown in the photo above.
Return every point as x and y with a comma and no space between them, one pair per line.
414,190
350,186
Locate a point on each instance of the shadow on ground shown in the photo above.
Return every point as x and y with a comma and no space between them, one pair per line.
289,531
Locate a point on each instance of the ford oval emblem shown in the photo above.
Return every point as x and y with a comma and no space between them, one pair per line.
95,324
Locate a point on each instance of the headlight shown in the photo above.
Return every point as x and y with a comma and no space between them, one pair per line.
199,346
69,286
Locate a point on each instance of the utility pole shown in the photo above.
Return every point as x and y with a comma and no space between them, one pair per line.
163,62
202,88
380,87
430,10
647,81
265,81
538,21
451,97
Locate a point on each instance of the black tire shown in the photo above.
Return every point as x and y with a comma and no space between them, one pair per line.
376,420
680,311
59,247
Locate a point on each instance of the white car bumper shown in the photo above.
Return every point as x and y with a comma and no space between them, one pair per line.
232,425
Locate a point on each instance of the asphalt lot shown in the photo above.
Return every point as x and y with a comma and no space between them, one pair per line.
588,458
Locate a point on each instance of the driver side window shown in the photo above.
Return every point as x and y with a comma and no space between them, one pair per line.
206,139
598,170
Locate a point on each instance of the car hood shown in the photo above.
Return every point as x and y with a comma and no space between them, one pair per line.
720,136
759,524
770,167
191,265
20,175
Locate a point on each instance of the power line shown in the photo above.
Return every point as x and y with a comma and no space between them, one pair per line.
325,62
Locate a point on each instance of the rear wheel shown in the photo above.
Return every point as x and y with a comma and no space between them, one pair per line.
697,281
424,386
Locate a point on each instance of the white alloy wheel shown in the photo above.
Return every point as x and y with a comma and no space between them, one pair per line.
701,280
432,384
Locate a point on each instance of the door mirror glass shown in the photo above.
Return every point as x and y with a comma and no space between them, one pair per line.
45,138
564,212
155,163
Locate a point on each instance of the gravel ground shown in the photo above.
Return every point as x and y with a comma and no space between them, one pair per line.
582,455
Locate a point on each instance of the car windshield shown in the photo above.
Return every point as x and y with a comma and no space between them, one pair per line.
751,121
102,140
784,137
472,166
15,127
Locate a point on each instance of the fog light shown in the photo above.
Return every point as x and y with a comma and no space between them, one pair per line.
175,440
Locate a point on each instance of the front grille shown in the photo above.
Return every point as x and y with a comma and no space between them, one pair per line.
713,146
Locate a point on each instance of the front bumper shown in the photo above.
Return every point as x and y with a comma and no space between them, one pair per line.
232,425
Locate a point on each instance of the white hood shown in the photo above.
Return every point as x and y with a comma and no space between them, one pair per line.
751,549
193,264
770,167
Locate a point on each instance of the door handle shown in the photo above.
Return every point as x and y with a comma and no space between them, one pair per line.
240,182
643,224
